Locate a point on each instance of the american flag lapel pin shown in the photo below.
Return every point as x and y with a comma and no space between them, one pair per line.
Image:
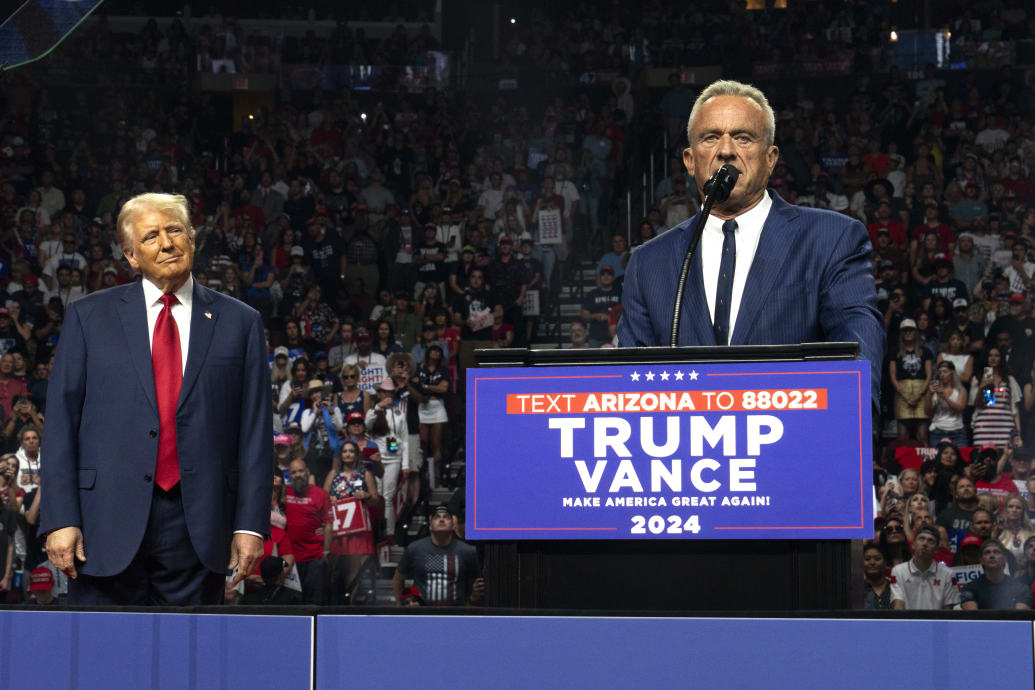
208,315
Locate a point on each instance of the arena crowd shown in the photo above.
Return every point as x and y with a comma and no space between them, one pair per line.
384,235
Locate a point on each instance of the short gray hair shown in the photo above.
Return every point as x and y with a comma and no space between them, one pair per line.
173,205
727,87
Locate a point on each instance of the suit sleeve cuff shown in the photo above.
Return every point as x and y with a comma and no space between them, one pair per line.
248,531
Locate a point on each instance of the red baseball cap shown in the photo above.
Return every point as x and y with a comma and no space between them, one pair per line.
41,579
970,540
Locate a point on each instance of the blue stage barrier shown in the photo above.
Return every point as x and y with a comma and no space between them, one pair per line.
599,653
60,649
57,649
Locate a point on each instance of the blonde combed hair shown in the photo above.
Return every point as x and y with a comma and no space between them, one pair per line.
728,87
172,205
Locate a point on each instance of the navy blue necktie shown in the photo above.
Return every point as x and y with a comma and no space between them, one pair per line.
724,287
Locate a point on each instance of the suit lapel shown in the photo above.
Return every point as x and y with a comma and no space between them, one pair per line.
133,315
202,326
695,327
767,272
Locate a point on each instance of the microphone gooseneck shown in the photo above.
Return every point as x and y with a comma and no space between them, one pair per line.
716,189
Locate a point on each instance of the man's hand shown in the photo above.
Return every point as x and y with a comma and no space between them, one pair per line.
64,546
4,583
245,554
477,589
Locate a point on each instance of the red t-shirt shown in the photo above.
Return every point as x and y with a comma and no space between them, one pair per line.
499,333
305,515
1001,489
877,162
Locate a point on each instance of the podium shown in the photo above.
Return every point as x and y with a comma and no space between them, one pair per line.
681,574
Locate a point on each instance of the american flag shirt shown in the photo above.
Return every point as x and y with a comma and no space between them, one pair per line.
443,575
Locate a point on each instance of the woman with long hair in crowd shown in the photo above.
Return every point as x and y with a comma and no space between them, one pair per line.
941,317
460,278
910,373
949,465
434,384
944,404
645,233
923,264
928,478
1016,528
995,397
350,552
11,498
875,573
926,332
446,332
430,301
384,339
893,541
11,495
909,483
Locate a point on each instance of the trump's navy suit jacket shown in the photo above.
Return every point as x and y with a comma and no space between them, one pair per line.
101,431
810,281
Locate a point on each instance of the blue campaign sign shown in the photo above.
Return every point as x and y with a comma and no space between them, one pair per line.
670,451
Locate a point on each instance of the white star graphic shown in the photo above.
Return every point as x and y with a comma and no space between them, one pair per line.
664,376
679,376
635,376
650,376
693,375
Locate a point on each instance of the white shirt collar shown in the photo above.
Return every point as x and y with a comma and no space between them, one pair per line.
152,293
752,219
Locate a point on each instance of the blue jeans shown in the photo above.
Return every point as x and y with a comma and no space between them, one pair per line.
958,437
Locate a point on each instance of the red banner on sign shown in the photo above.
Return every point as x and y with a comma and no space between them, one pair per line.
350,517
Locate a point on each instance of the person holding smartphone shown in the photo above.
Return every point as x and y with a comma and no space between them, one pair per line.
944,403
322,423
995,398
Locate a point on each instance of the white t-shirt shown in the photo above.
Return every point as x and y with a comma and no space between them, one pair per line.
942,417
75,260
28,471
449,235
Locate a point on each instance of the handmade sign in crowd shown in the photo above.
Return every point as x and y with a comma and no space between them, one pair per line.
670,451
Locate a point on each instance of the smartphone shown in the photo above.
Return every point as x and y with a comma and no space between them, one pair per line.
988,371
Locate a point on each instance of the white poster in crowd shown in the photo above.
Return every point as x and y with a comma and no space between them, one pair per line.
549,226
481,319
965,574
293,581
531,306
371,376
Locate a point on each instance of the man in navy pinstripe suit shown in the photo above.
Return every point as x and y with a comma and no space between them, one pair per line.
790,274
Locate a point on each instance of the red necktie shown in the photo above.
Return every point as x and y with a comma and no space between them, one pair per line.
168,371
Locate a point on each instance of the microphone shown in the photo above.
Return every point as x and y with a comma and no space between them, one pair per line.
718,188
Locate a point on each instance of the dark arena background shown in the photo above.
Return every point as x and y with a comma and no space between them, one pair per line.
444,186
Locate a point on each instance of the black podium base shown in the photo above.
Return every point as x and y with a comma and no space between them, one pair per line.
670,575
